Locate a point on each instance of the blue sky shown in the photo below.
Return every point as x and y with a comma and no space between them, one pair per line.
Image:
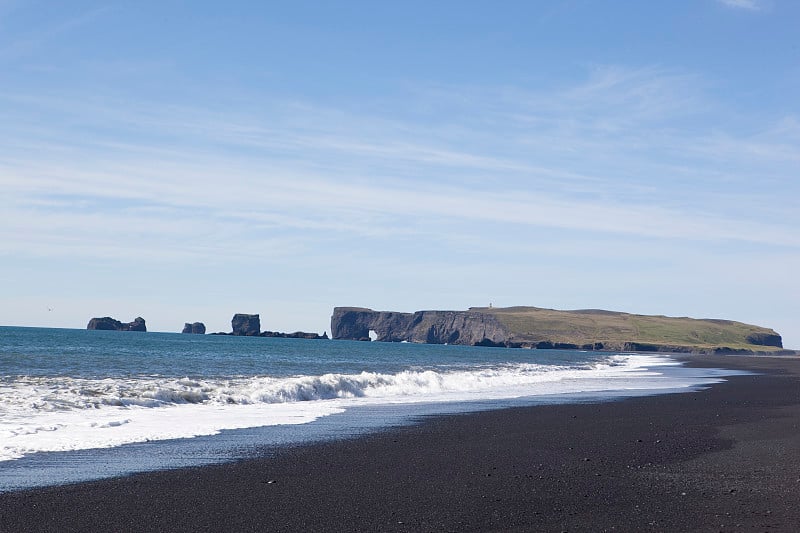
184,161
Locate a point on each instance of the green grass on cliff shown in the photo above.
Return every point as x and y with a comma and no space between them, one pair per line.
613,329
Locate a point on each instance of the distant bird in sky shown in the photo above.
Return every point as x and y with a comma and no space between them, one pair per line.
49,308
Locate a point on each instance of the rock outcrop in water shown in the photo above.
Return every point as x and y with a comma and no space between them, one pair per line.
197,328
110,324
295,335
246,325
533,327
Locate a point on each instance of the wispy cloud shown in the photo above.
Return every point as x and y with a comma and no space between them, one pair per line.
751,5
36,38
610,156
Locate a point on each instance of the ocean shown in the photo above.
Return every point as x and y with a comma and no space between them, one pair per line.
78,405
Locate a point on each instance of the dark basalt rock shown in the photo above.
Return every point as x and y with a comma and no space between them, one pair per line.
295,335
490,344
765,339
724,350
197,328
105,323
431,327
641,347
246,325
250,325
110,324
355,323
565,346
137,325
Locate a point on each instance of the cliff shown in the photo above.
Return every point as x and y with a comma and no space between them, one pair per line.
110,324
431,327
532,327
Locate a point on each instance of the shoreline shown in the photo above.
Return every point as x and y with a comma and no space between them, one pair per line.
724,458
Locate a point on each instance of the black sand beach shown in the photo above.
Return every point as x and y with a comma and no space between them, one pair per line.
723,459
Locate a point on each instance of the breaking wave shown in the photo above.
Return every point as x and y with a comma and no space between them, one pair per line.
37,394
63,413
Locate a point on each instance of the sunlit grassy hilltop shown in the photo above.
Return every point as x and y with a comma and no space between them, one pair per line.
623,331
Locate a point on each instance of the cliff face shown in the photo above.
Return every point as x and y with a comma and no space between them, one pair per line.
532,327
431,327
765,339
458,327
110,324
355,323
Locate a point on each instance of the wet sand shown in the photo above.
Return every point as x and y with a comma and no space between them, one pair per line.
722,459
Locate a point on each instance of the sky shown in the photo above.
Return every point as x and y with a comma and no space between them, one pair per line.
187,160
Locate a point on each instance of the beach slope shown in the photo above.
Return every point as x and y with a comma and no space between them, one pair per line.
723,459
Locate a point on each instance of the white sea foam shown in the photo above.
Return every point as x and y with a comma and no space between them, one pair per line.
61,413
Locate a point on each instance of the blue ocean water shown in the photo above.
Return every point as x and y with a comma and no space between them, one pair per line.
79,404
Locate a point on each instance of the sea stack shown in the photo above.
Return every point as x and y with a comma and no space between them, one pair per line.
246,325
111,324
197,328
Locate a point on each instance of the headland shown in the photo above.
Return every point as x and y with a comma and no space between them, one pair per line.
534,327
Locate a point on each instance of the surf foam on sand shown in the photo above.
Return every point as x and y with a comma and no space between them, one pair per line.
52,414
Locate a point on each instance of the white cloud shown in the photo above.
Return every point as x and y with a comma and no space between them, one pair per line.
751,5
604,156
